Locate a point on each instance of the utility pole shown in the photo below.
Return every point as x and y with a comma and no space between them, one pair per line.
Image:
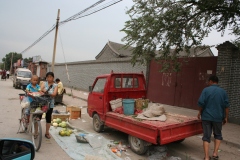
11,64
55,41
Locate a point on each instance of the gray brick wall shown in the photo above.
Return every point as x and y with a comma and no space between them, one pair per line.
82,74
228,72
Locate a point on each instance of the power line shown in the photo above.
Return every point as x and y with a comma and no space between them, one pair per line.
75,17
39,39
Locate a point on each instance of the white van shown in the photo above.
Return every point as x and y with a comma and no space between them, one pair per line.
21,78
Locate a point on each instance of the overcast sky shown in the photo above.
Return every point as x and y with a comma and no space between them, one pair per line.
24,21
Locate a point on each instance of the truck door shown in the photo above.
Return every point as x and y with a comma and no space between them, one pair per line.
96,97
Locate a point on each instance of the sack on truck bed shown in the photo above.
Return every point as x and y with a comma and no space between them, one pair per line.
116,103
154,110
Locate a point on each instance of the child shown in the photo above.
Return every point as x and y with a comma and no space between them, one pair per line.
32,87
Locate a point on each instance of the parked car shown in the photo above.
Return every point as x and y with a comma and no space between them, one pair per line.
21,78
12,148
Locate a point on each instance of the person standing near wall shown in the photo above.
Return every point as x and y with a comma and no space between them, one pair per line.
213,112
7,74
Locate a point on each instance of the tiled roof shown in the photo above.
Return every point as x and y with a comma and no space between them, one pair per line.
119,51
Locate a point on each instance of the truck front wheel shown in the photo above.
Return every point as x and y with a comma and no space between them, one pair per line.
138,146
97,124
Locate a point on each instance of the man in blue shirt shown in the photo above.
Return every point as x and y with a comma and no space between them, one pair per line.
214,108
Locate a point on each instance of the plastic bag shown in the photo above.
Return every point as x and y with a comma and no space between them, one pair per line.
25,103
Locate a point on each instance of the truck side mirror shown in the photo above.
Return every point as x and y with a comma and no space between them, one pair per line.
90,88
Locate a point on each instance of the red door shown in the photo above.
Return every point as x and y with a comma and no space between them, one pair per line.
186,88
96,97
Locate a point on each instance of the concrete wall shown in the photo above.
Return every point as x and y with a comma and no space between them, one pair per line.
82,74
228,72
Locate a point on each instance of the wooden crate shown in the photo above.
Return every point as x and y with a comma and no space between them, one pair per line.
75,114
73,108
63,117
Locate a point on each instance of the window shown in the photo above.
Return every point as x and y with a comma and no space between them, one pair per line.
118,82
24,74
127,82
99,86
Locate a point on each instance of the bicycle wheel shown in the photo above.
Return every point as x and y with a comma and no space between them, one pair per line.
36,134
23,122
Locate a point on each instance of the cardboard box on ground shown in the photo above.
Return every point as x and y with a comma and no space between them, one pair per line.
75,112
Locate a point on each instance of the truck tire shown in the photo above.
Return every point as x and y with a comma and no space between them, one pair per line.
97,124
137,145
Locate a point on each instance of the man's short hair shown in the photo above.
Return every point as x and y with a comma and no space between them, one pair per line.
57,80
213,78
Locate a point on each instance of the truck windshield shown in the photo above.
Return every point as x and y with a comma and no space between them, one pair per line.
24,74
99,86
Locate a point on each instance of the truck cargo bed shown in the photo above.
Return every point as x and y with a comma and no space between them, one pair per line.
176,127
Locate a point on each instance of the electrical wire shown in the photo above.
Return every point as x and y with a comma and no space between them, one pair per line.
75,17
39,39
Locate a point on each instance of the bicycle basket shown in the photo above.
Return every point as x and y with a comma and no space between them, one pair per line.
40,104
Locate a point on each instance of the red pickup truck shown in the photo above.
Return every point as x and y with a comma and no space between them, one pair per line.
141,133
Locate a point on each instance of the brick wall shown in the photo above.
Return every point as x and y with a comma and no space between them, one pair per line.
228,72
82,74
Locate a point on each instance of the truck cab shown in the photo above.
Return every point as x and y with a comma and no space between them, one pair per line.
113,86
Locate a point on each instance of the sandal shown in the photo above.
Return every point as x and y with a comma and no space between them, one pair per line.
47,136
215,157
209,158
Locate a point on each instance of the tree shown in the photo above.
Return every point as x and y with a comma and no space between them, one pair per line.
27,60
161,25
7,59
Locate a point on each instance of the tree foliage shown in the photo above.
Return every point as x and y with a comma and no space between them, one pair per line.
7,59
161,25
15,57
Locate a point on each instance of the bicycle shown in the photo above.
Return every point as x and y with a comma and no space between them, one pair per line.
35,129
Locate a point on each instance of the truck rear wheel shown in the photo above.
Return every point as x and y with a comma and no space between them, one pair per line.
97,124
138,146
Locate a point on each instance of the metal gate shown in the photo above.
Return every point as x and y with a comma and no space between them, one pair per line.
183,88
